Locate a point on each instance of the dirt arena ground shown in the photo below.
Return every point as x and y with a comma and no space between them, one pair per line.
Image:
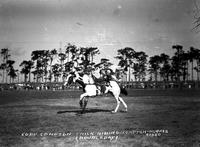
155,118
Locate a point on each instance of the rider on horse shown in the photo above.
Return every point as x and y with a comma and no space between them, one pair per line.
91,88
103,75
108,75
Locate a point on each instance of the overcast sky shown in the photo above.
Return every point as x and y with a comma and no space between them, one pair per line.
152,26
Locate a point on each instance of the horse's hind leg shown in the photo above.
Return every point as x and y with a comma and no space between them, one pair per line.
84,100
118,103
81,99
121,100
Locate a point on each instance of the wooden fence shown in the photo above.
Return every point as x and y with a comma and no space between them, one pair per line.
162,85
128,85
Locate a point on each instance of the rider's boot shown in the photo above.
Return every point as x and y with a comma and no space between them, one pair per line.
81,103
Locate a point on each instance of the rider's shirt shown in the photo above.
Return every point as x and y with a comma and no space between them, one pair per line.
106,71
96,73
107,74
87,79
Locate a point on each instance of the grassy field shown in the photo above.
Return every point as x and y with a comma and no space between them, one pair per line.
159,118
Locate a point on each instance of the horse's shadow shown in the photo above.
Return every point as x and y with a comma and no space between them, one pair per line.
79,111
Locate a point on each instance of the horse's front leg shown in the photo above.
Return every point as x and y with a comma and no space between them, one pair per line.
121,100
81,99
83,102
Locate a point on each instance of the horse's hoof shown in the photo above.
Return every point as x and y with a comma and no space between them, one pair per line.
113,112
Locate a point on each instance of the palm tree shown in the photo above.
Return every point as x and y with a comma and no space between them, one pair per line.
3,67
71,49
93,51
45,60
140,66
165,66
126,57
26,69
10,68
41,58
52,54
175,69
12,73
86,56
35,57
62,58
35,73
56,69
197,59
185,57
197,68
194,55
191,59
5,55
179,66
67,68
177,60
154,63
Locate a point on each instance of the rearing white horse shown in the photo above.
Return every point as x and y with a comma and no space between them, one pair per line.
91,89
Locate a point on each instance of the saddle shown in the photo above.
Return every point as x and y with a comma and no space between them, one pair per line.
101,83
100,89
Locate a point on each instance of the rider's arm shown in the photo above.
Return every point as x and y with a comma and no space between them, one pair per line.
115,78
76,76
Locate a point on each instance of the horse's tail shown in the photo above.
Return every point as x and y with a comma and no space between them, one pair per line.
123,90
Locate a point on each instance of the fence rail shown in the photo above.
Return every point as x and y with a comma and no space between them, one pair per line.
128,85
161,85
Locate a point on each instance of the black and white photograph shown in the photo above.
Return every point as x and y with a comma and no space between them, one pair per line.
99,73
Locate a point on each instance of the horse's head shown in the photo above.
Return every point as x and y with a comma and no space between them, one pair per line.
70,79
74,77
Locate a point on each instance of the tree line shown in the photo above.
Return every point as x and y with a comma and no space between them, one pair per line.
54,66
175,68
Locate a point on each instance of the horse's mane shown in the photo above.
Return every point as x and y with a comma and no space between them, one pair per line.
94,78
81,74
80,82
